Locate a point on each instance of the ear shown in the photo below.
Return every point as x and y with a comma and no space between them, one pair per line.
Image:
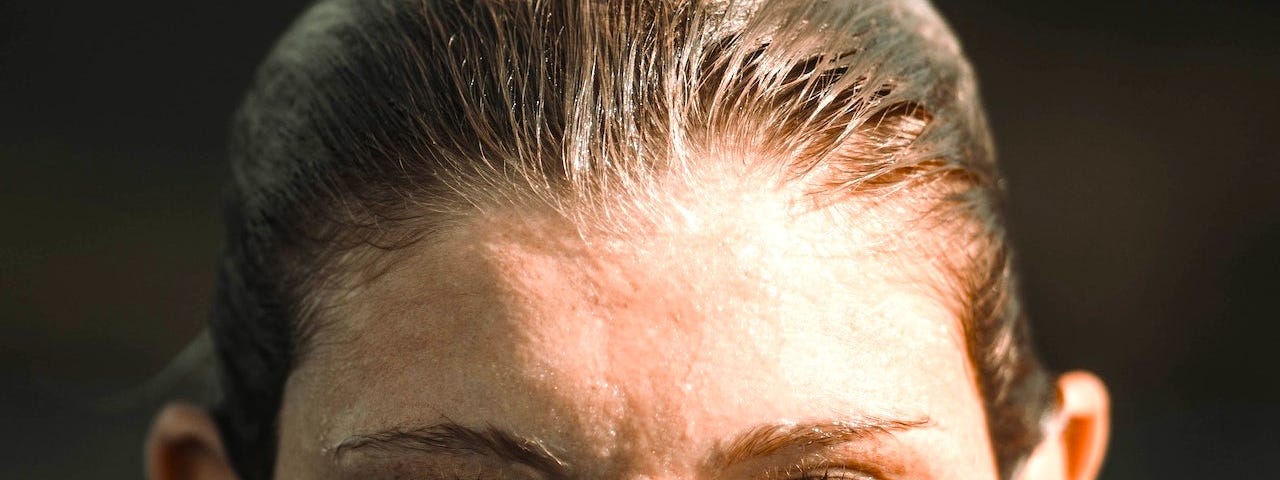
184,445
1076,438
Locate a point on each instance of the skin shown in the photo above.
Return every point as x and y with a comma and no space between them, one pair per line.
645,351
721,333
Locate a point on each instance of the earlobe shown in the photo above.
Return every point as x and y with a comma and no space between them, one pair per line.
184,445
1076,439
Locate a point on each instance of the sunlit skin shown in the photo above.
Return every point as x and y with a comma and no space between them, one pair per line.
649,353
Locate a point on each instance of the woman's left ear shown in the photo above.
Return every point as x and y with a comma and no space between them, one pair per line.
184,444
1075,441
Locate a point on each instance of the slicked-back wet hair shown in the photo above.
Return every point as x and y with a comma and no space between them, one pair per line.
375,122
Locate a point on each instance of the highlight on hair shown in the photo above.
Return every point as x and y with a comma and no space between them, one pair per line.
374,122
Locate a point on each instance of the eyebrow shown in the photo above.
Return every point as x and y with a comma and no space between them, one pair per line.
757,442
453,439
769,439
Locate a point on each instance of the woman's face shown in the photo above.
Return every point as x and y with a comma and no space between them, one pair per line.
730,340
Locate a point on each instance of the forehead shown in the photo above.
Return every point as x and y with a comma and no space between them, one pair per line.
639,345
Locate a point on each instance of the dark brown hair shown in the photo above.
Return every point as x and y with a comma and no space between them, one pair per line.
373,122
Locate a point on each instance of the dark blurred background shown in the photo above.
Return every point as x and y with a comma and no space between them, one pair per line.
1140,140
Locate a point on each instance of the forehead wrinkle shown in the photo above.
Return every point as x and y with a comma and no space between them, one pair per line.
622,270
502,247
611,279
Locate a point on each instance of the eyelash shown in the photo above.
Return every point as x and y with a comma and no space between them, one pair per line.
836,473
833,473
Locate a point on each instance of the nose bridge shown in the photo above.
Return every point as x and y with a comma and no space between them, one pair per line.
669,475
649,471
647,445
